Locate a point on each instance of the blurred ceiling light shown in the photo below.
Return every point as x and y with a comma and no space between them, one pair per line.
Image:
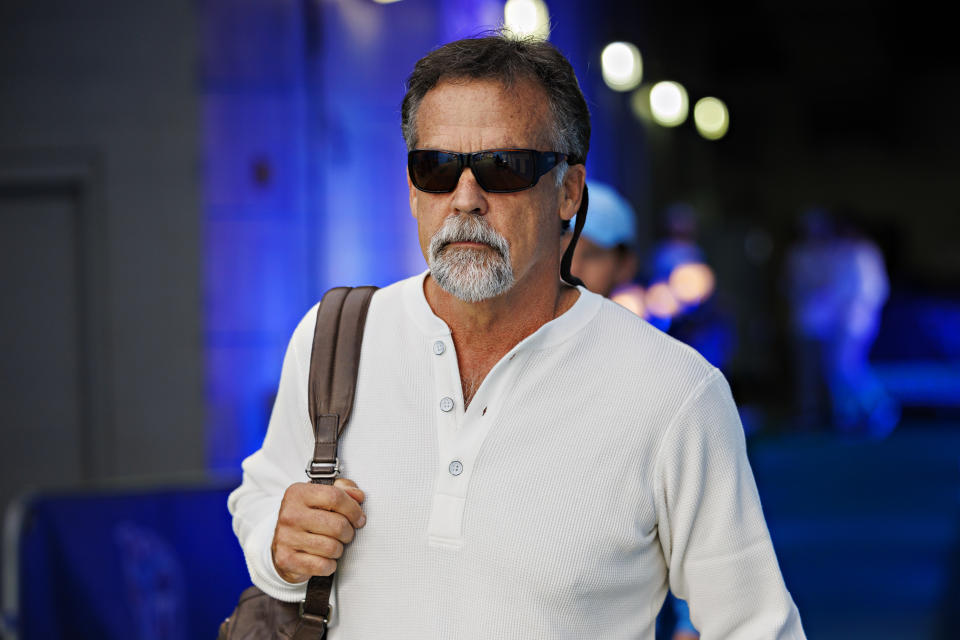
527,18
621,65
660,302
386,1
631,298
692,283
711,117
669,103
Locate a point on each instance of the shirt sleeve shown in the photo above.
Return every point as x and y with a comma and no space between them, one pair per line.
279,463
711,526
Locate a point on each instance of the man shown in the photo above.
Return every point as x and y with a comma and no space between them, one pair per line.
500,486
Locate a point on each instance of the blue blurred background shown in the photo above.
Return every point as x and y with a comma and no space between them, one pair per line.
181,181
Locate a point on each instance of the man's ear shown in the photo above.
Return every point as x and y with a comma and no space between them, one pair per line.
571,191
413,196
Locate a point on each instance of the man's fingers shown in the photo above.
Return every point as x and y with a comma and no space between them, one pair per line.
344,482
298,566
355,493
314,524
351,488
315,565
328,523
336,499
314,544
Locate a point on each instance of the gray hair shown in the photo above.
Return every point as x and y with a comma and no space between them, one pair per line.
507,58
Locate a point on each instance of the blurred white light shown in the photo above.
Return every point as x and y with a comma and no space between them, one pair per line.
527,18
669,103
386,1
631,298
621,65
692,283
711,117
660,301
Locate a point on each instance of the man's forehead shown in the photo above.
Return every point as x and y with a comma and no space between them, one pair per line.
509,85
471,103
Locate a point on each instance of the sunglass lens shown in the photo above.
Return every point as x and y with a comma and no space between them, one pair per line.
434,170
510,170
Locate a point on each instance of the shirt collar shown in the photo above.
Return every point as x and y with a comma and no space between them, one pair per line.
550,334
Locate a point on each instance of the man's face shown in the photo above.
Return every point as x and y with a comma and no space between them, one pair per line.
473,115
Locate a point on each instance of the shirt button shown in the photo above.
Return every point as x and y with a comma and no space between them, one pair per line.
456,468
446,404
439,347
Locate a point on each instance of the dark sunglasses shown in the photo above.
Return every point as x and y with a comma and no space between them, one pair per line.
496,170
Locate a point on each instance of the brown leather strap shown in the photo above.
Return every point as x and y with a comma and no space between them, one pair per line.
334,362
317,602
310,628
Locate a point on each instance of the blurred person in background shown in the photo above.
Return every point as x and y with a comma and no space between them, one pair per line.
682,289
837,285
605,259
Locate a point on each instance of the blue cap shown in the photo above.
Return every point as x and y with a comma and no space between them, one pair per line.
610,218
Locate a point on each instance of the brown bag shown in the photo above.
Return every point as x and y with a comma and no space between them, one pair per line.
334,362
259,616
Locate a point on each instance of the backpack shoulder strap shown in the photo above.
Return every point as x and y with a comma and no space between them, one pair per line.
334,362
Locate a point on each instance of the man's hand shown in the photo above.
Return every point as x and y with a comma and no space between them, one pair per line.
315,522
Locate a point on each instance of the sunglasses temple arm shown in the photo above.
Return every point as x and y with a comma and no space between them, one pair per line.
567,259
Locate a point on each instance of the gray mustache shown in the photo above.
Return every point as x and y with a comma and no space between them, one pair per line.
467,228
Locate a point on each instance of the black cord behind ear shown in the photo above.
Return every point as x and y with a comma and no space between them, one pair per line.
567,259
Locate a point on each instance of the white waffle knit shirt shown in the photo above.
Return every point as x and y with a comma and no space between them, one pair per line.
599,461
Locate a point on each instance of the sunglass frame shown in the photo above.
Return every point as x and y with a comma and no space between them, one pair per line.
543,163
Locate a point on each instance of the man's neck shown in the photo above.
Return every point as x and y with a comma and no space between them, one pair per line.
483,332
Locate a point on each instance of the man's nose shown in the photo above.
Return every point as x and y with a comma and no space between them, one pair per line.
468,197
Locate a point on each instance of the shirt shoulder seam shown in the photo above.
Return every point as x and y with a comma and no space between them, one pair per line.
694,394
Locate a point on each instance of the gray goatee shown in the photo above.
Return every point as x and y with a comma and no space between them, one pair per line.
470,274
